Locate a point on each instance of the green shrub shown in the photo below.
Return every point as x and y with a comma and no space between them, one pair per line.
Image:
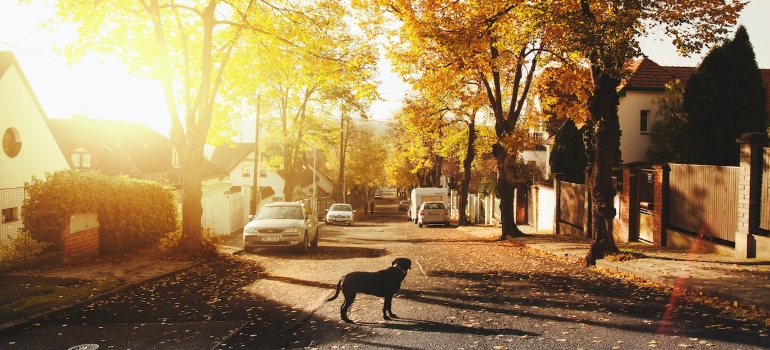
132,213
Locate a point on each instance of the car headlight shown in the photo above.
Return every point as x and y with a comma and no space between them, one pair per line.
251,230
291,230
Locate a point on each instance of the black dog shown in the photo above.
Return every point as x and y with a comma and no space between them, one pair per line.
383,283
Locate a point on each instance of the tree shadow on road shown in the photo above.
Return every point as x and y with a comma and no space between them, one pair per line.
324,252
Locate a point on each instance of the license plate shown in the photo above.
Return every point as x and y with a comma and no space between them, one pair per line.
339,219
271,239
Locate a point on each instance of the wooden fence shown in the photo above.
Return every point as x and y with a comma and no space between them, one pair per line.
703,200
571,203
764,221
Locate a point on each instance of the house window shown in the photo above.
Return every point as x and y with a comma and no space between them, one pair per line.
11,142
263,173
81,158
246,170
174,158
10,214
644,118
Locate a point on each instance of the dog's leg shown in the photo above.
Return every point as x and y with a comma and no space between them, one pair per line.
386,308
349,298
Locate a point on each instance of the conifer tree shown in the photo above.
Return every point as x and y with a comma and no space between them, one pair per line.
569,155
724,99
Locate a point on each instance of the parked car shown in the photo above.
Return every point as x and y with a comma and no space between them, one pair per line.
340,213
403,205
282,224
433,213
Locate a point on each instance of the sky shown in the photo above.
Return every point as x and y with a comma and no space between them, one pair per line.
105,90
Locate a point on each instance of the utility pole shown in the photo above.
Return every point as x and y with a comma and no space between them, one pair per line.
315,184
257,197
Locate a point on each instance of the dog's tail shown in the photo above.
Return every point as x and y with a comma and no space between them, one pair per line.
337,292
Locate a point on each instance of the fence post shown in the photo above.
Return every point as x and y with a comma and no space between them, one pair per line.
587,207
557,179
628,229
660,204
749,192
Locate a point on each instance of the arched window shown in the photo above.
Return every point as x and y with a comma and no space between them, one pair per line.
81,158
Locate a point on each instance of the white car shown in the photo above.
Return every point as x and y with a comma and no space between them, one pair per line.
282,224
340,213
433,213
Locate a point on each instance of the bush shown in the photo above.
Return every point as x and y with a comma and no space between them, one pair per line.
132,213
171,245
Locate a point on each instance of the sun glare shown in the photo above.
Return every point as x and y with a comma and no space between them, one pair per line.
99,90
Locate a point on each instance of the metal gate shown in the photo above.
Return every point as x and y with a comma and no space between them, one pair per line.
646,203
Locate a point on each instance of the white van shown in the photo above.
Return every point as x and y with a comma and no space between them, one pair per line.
426,194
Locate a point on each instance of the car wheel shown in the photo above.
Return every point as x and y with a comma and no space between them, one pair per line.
314,243
302,246
446,224
248,249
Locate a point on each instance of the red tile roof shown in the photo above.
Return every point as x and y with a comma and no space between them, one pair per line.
646,75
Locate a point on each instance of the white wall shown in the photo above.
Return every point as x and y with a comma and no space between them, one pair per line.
539,157
633,143
545,208
39,151
236,178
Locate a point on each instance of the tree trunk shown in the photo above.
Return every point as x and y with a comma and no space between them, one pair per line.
192,210
505,187
467,163
606,141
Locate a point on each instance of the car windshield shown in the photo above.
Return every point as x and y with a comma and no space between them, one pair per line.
339,207
434,205
280,212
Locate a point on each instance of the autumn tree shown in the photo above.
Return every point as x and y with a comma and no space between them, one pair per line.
421,126
184,45
187,46
316,69
349,105
495,45
602,36
366,159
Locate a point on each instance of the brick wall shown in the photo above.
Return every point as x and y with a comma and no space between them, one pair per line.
80,245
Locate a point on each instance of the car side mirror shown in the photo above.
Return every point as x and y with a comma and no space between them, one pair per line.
251,217
354,210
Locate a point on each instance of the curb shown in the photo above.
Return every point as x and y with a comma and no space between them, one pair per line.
121,288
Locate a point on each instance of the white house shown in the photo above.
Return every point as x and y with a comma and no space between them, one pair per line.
29,147
636,110
237,160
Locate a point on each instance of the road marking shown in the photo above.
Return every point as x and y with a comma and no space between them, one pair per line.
420,266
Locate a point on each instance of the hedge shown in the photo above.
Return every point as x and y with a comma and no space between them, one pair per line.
132,213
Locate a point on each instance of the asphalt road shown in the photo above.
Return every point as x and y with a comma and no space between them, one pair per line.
464,292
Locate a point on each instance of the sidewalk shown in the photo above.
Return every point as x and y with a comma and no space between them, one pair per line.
743,281
38,291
